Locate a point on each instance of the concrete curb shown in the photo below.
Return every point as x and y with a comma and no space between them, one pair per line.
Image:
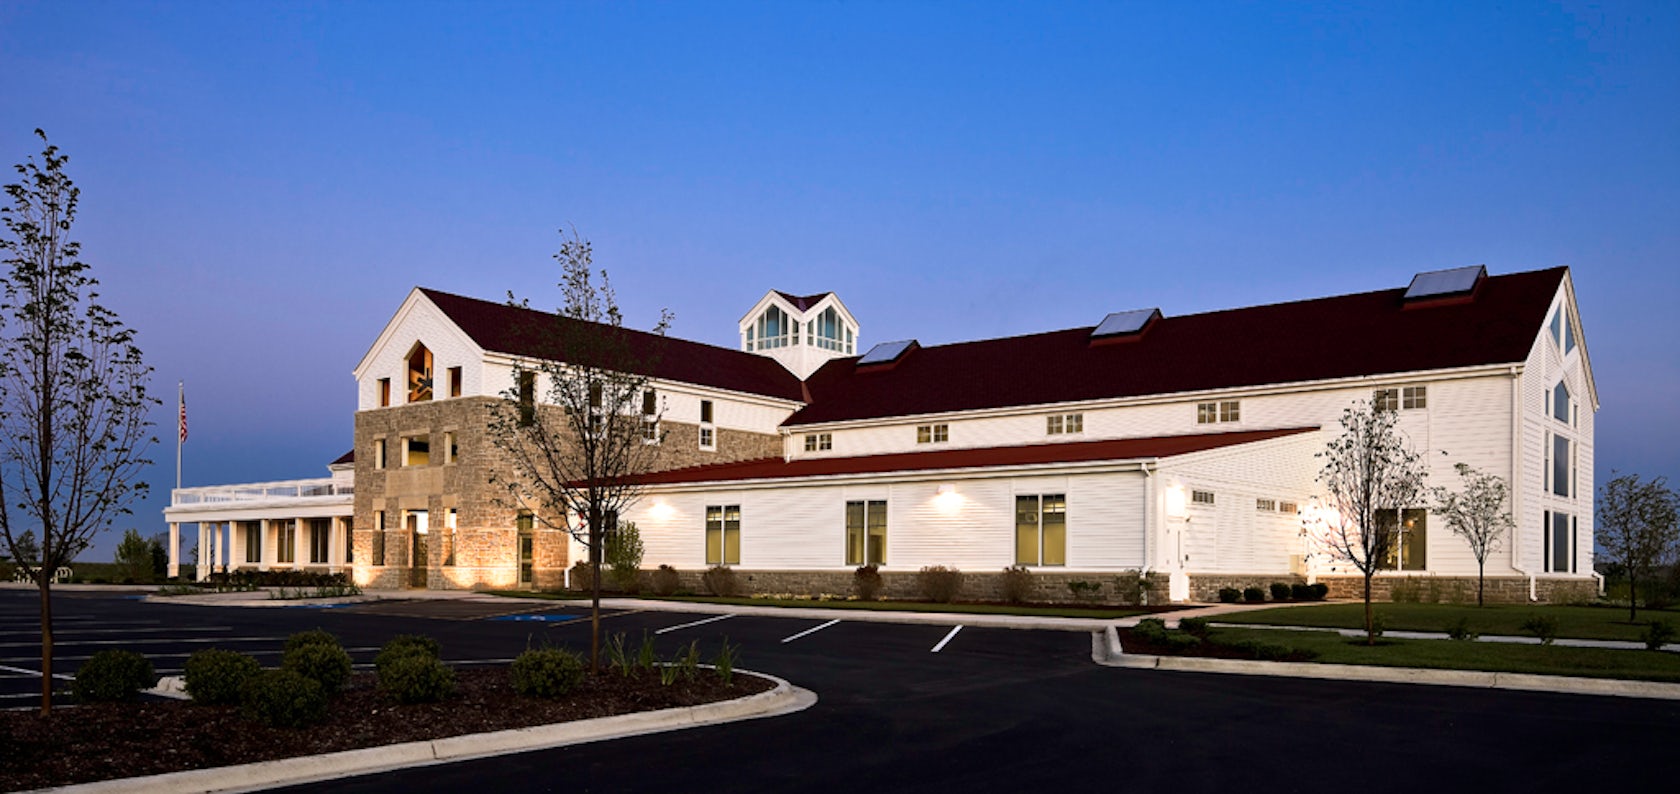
785,698
1106,651
974,620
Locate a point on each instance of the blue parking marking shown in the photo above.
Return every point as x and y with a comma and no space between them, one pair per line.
536,618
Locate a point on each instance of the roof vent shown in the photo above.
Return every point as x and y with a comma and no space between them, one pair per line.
886,354
1441,285
1120,326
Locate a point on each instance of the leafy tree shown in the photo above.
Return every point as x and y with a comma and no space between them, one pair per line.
1370,473
74,410
579,425
624,555
160,556
1477,514
134,557
1637,527
27,547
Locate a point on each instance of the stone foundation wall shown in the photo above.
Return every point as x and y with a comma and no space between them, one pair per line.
1206,587
1048,587
1462,589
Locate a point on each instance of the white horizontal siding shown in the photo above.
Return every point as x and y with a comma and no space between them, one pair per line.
419,321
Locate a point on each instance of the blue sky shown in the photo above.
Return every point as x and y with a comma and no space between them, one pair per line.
262,182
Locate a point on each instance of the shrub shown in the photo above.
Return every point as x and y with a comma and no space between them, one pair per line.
1151,628
1544,627
624,556
113,675
416,678
1131,587
582,576
939,583
1178,640
406,645
1406,592
328,665
1196,627
665,580
546,672
1320,591
1280,591
724,664
1016,584
283,699
1085,591
1229,595
1301,592
866,581
214,676
1253,595
1264,651
1460,630
721,581
1658,634
311,637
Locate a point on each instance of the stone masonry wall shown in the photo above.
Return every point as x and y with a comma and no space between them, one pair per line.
1462,589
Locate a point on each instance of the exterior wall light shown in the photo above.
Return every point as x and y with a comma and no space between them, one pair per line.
1176,506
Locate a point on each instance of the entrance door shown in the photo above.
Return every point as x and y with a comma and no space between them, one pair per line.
418,560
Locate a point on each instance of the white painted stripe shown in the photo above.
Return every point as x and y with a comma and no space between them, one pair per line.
812,630
63,632
259,652
35,673
948,637
159,640
713,619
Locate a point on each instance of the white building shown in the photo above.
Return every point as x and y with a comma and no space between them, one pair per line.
1178,447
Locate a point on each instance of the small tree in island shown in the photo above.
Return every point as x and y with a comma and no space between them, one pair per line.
74,411
1370,474
1477,514
1638,528
580,424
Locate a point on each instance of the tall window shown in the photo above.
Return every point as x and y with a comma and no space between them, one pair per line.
708,432
1562,405
1563,333
450,522
384,392
774,328
933,434
417,450
1560,466
828,331
866,533
723,535
349,541
527,398
1222,411
1559,542
253,540
379,538
650,416
379,453
526,529
454,381
419,374
1410,549
1041,530
285,533
451,451
320,539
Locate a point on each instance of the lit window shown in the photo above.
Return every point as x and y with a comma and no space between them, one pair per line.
866,533
1268,505
384,392
1414,397
819,442
933,434
1041,530
723,535
450,451
1222,411
379,453
527,398
419,374
708,433
417,451
1057,424
379,538
1411,543
454,381
1287,507
1201,498
1385,399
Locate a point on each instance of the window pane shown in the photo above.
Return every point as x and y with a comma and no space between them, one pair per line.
1414,541
1560,465
877,551
854,533
1026,530
714,535
1076,423
1055,530
1560,403
732,535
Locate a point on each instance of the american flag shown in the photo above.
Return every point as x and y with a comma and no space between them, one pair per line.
183,417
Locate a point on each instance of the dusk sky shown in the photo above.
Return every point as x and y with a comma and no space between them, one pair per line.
263,183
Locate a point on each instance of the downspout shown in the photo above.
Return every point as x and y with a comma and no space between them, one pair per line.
1516,491
1148,524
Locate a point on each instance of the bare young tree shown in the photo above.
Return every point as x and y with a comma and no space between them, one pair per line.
74,410
1371,473
1638,528
581,423
1477,514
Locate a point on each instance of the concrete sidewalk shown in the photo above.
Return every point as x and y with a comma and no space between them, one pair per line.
1622,645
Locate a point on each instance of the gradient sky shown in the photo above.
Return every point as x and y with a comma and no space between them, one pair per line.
263,182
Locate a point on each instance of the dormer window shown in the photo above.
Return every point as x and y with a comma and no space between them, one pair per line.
829,333
419,374
773,327
1563,333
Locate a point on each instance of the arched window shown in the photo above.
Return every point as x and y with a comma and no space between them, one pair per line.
1561,403
773,328
419,374
827,331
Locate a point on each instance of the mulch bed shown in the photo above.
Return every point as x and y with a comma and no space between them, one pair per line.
113,740
1133,642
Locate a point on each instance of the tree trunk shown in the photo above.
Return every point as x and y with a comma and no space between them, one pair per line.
1633,596
45,586
1370,626
594,590
1481,578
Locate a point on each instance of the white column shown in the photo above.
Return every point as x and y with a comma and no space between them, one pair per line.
174,549
236,545
335,544
216,547
300,543
265,555
203,551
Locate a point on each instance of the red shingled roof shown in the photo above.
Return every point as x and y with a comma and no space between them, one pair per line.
1371,333
803,302
348,457
1036,454
500,328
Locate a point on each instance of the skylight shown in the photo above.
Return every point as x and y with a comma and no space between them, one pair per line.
886,352
1439,283
1122,323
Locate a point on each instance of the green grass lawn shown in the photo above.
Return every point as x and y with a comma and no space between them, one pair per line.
1578,622
1487,656
1092,613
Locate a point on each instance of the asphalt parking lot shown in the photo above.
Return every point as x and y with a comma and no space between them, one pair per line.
935,707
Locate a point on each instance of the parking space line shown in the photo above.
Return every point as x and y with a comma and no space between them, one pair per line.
59,658
948,637
812,630
63,632
35,673
156,641
713,619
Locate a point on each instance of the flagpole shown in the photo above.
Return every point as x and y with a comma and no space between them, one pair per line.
180,410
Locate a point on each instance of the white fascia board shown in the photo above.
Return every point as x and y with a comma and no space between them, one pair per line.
891,477
660,384
832,299
415,298
769,298
1193,458
255,510
1580,337
1270,389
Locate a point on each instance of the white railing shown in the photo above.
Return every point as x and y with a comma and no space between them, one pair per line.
261,491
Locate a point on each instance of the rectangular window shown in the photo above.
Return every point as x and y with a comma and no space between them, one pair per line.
1414,397
819,442
253,540
1057,424
1561,466
650,403
595,417
706,411
1075,423
527,398
285,534
650,417
933,434
417,450
1409,548
450,523
708,433
866,533
451,452
1268,505
379,538
379,453
1385,399
1222,411
723,535
320,538
1287,507
1041,530
384,392
525,526
349,541
1201,498
454,381
1559,542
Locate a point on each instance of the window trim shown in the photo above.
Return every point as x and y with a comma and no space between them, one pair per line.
384,392
819,442
707,435
864,547
936,433
455,379
723,529
1041,501
1212,412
